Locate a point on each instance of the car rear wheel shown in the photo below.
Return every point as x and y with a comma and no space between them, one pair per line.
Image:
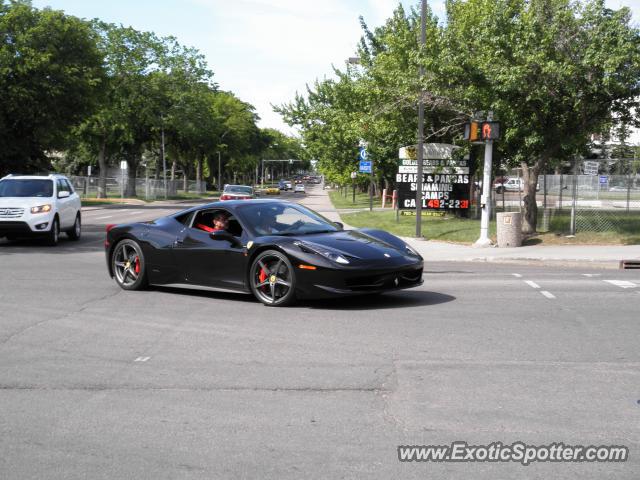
128,265
272,279
54,234
76,231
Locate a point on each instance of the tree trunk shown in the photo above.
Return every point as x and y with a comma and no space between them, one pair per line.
130,191
102,166
173,170
185,180
530,207
198,173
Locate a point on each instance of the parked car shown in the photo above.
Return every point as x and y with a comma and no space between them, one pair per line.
511,185
39,206
237,192
299,188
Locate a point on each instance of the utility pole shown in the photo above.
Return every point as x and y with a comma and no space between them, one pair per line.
164,163
419,194
485,199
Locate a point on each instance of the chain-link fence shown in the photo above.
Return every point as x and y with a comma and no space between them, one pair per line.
600,196
147,188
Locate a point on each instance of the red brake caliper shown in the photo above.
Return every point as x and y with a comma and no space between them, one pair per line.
263,275
136,265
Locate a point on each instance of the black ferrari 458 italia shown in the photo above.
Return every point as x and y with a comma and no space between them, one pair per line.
279,251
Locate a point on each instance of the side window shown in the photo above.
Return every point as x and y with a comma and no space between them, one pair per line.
185,219
61,186
204,220
69,186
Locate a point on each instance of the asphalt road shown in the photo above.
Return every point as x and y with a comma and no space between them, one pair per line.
100,383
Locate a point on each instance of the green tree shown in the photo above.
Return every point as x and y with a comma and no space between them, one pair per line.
51,76
553,71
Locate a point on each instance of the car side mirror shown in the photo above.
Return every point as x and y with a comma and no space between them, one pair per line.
64,194
340,225
224,235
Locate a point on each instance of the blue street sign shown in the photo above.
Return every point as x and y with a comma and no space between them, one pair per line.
365,167
604,179
362,154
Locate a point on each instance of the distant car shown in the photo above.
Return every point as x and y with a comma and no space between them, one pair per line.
285,185
299,188
272,191
237,192
39,206
511,185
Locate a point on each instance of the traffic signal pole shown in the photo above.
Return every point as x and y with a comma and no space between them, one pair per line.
419,192
485,199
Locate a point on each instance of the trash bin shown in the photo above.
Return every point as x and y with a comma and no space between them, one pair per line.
509,229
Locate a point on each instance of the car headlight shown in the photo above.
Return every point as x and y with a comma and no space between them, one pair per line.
411,250
41,209
333,256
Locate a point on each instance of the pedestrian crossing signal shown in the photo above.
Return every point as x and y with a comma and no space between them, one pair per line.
472,132
480,131
490,130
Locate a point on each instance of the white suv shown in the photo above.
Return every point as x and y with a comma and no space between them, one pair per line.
39,206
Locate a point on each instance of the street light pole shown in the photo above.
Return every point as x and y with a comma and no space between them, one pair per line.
419,194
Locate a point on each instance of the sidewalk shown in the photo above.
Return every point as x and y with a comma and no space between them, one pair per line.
607,256
601,256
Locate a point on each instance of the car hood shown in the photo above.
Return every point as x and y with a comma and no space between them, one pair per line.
355,244
24,202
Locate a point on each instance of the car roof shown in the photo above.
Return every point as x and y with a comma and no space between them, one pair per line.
51,176
232,204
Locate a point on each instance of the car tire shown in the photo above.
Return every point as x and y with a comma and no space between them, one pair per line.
272,279
76,230
53,236
129,266
499,190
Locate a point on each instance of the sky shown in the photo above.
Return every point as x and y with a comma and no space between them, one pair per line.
262,50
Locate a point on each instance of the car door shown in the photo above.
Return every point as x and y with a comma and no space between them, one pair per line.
212,263
64,205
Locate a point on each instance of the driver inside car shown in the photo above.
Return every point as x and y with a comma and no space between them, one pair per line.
220,223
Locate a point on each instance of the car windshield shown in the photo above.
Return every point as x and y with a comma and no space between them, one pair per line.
238,189
284,219
26,188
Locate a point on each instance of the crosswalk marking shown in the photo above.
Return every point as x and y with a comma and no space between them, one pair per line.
517,275
142,359
590,275
547,294
532,284
622,283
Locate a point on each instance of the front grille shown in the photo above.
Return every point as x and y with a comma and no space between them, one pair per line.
11,212
385,281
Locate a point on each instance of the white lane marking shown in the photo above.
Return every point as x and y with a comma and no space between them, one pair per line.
517,275
137,211
622,283
591,274
142,359
547,294
532,284
101,218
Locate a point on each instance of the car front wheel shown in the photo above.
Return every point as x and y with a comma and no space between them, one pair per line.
128,265
54,234
272,279
76,231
